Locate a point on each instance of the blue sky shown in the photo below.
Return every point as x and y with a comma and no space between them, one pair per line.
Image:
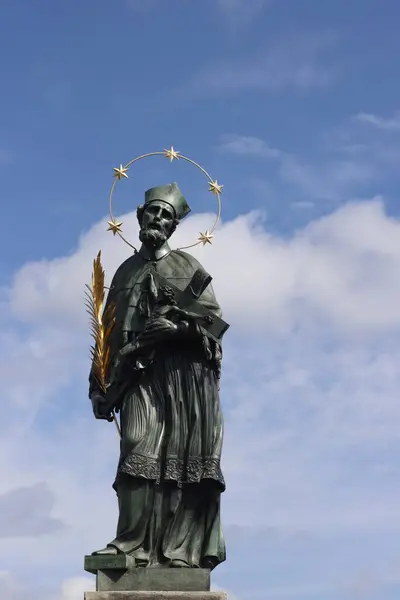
294,106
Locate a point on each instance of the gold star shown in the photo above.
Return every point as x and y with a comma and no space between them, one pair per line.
120,172
171,154
206,238
114,226
215,187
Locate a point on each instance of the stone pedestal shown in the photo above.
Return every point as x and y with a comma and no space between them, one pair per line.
155,596
118,579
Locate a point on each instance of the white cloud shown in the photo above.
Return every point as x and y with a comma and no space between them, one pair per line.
327,270
310,387
298,62
217,588
74,588
386,124
331,180
249,146
10,588
328,178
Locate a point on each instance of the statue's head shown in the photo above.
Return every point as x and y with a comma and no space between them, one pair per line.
163,209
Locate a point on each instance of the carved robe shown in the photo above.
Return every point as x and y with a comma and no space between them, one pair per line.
169,478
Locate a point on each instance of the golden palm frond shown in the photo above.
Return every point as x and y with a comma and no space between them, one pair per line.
101,325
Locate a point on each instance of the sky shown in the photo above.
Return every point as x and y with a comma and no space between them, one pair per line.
293,105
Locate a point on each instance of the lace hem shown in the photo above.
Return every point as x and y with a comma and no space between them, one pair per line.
193,470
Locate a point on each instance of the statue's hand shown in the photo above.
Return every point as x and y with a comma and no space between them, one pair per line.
157,330
101,408
127,349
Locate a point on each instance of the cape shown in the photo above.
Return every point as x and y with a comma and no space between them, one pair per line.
127,286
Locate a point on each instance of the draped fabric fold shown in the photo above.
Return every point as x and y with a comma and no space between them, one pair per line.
169,478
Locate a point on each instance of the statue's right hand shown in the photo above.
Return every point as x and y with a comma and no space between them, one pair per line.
101,408
127,349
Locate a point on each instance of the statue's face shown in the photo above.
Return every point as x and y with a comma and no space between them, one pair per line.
158,222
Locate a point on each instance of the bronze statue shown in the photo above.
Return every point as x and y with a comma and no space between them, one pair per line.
165,364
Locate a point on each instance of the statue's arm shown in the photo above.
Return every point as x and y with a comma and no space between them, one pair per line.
211,348
209,301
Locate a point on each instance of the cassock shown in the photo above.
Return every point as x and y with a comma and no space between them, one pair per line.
169,478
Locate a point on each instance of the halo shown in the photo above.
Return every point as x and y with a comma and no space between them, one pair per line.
172,154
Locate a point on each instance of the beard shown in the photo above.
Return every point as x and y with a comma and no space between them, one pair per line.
152,237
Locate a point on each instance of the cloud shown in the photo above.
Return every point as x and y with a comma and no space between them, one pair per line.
372,583
299,63
235,12
374,154
10,588
327,178
249,146
310,396
74,588
321,270
217,588
242,12
303,205
385,124
26,512
333,179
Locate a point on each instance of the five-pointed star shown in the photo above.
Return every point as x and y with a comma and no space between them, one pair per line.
171,153
206,238
215,187
114,226
120,172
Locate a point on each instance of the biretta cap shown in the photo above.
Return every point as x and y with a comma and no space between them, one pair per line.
172,195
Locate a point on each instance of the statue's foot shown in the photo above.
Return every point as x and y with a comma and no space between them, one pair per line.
141,563
108,550
178,564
